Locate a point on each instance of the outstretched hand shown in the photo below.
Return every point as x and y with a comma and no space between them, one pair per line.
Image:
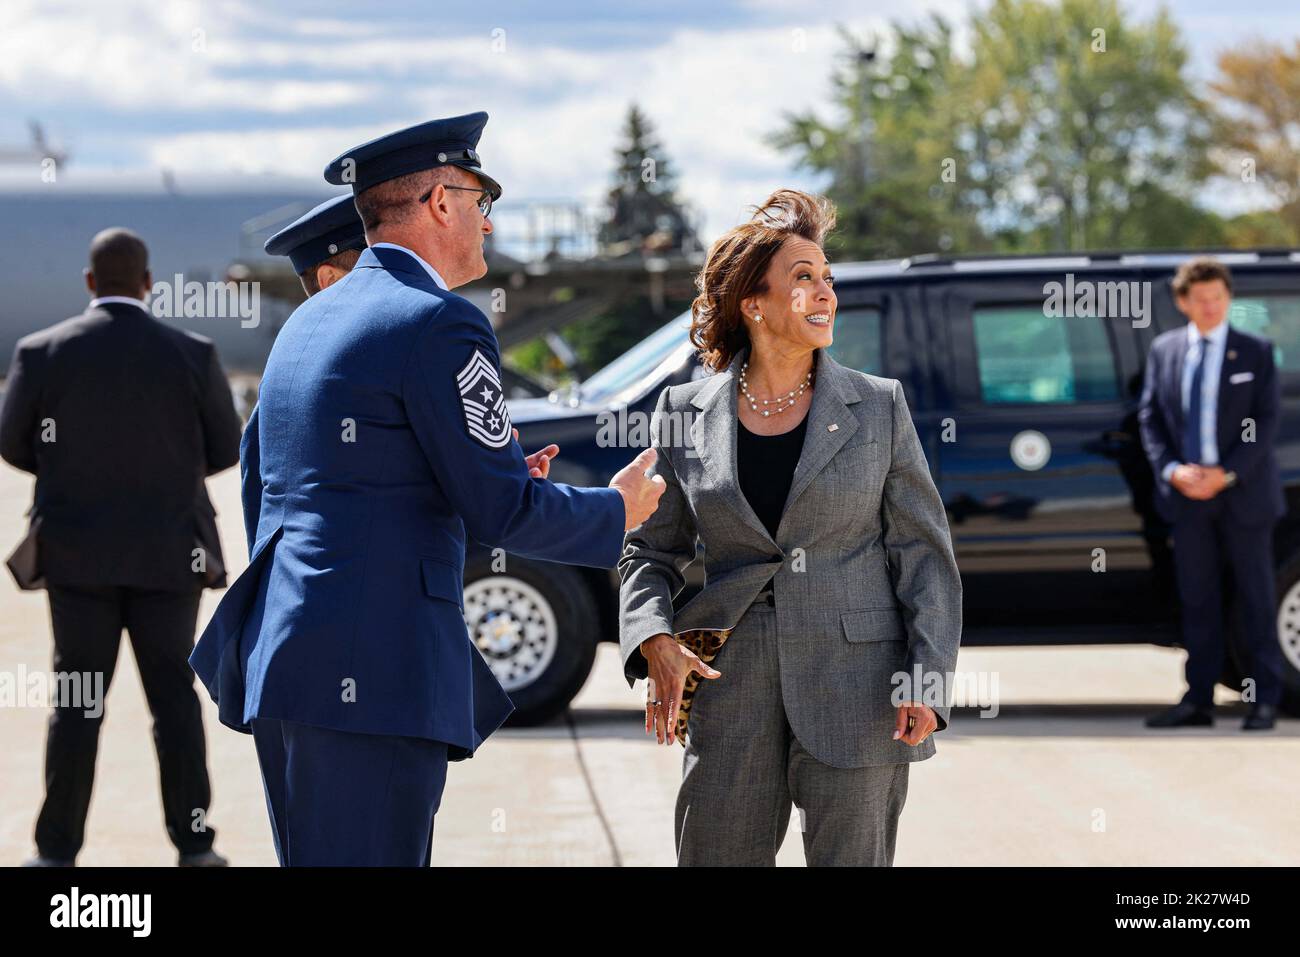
539,463
640,493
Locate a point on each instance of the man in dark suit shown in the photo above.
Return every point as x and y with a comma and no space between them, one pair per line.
121,418
1209,418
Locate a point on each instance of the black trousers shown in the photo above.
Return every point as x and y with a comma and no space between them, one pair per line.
88,623
1205,539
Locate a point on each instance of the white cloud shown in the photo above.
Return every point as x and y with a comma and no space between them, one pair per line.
299,152
712,96
286,95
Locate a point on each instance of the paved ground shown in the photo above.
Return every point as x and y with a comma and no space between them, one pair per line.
1065,774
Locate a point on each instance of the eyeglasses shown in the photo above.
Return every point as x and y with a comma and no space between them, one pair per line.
484,198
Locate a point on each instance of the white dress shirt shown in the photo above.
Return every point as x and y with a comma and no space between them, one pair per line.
427,268
129,300
1213,359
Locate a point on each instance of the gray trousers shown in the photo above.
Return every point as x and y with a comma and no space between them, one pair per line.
744,767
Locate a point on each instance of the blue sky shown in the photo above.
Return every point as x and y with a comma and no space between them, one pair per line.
252,90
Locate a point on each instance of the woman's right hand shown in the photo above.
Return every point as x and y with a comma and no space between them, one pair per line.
668,665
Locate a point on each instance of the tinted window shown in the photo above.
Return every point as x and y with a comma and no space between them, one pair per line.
1276,318
638,362
1025,356
857,340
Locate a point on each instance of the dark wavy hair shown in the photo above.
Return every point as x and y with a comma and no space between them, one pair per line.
1200,269
737,269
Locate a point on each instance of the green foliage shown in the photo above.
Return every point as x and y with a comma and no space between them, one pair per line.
535,360
1070,125
885,157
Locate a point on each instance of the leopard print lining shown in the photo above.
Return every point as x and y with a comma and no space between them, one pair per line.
705,643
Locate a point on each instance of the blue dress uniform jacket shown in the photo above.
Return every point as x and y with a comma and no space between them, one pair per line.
376,445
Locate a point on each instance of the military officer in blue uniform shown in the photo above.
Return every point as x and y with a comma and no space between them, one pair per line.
383,439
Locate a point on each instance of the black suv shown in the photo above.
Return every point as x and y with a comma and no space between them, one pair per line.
1023,376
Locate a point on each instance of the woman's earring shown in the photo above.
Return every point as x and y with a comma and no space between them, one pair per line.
757,317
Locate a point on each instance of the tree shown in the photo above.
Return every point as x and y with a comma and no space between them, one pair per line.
1070,126
890,155
643,214
1259,131
1085,132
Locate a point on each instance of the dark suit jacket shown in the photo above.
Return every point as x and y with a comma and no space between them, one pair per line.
1248,389
120,417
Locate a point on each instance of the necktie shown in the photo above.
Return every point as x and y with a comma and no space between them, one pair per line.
1192,450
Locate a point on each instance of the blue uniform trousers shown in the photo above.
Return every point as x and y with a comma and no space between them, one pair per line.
336,798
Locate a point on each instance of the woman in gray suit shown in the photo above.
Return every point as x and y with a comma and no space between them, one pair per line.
816,662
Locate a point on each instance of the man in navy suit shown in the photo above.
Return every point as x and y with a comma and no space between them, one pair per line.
1209,418
383,439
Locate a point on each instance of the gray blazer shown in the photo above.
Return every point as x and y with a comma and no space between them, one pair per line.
862,566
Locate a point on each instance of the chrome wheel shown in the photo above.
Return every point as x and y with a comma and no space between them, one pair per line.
1288,625
514,628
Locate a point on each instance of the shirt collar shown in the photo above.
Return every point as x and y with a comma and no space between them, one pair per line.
1217,336
433,273
106,300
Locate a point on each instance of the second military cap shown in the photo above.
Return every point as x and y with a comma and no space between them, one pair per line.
314,237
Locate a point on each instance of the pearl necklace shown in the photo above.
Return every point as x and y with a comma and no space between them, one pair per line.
790,398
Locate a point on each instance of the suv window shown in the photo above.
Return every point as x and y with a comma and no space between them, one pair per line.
629,369
857,342
1276,318
1026,356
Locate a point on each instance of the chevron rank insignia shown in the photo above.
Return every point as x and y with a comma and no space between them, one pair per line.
484,402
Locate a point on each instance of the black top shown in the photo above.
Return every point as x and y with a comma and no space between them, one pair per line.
766,468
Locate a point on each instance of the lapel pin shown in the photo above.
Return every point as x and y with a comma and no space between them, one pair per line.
832,427
1232,353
